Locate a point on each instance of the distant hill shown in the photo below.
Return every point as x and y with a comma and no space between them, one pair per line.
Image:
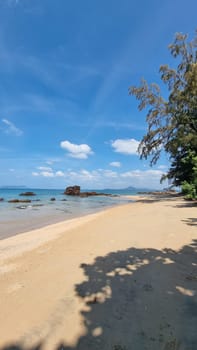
127,190
12,187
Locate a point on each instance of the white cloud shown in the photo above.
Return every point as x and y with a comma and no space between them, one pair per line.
162,167
109,174
11,128
142,173
106,178
47,174
59,173
76,151
115,164
44,168
143,178
84,178
125,146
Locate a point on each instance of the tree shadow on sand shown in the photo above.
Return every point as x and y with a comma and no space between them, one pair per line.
138,299
191,221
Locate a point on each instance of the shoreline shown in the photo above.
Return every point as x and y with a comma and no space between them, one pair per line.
32,239
98,281
33,220
28,240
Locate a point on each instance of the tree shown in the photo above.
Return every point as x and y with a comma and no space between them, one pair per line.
172,123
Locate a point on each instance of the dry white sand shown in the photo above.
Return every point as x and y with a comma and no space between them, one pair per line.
122,279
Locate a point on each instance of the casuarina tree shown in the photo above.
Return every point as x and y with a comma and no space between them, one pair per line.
172,122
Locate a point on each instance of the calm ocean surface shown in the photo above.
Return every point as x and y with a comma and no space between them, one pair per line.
20,217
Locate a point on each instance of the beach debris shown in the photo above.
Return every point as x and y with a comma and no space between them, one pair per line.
28,193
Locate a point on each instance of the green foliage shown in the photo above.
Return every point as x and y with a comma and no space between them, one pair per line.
189,186
189,190
183,167
172,123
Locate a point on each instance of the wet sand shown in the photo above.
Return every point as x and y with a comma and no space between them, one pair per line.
121,279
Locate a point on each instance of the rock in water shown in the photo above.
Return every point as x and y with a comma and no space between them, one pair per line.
27,194
75,191
72,191
19,201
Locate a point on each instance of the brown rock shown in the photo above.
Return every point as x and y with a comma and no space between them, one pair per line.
19,201
72,191
88,194
27,194
75,191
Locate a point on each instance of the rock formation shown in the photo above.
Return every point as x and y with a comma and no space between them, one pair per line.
19,201
72,191
75,191
27,194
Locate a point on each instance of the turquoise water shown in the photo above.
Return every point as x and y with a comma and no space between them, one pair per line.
20,217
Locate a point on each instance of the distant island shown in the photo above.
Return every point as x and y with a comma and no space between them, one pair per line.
12,187
126,189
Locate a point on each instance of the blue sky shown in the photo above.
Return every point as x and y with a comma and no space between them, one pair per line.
65,68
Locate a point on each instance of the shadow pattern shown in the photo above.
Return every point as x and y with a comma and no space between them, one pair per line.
138,299
191,221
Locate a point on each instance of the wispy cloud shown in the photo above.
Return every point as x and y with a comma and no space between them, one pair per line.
51,69
115,164
45,168
12,2
125,146
76,151
162,167
106,123
10,128
49,173
142,174
106,178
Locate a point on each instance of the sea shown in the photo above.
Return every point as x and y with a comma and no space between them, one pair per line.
16,218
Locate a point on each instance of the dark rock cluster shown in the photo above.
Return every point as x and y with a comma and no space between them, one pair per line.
27,194
72,191
19,201
76,191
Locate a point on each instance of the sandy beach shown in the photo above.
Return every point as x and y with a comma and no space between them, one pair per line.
121,279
